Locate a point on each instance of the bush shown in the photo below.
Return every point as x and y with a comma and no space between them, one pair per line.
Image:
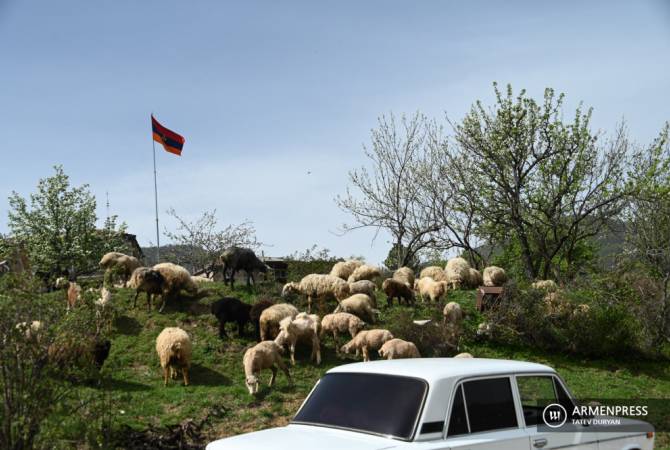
432,339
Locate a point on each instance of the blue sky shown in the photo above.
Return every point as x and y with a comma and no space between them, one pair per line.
266,91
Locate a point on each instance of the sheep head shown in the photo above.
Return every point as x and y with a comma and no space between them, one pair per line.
252,384
289,288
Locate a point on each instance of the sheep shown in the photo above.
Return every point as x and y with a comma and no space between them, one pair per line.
556,304
458,272
304,328
344,269
264,355
484,329
359,305
89,352
404,274
30,330
255,315
73,295
341,322
453,314
147,280
270,318
121,263
238,258
581,310
200,279
394,288
364,287
432,289
175,279
475,278
398,349
494,276
364,272
545,285
366,341
231,309
318,286
464,355
105,299
173,346
434,272
61,283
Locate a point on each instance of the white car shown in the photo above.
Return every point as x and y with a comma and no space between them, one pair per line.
441,403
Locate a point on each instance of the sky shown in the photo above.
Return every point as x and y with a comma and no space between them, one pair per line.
277,99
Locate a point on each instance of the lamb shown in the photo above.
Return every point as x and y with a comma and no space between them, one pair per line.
238,258
453,314
475,278
318,286
398,349
264,355
404,274
341,322
359,305
231,309
364,287
173,346
464,355
73,295
494,276
366,341
394,288
344,269
458,272
121,263
432,289
434,272
255,314
147,280
270,318
304,328
545,285
364,272
175,279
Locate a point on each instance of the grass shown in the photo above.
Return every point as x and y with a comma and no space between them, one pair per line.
138,399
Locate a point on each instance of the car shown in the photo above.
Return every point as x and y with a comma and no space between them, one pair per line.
442,403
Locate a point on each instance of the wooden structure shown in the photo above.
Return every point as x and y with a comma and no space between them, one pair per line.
487,295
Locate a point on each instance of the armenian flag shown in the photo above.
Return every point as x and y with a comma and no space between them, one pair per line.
171,141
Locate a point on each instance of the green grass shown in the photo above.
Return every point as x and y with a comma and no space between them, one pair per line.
133,377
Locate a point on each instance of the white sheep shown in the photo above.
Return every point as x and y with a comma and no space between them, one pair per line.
344,269
545,285
173,346
318,286
364,287
453,314
484,329
264,355
464,355
406,275
475,278
434,272
367,340
398,349
175,279
124,264
272,316
365,272
458,272
105,299
30,330
341,322
304,328
434,290
494,276
359,305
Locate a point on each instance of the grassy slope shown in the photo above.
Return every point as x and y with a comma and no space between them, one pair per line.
134,376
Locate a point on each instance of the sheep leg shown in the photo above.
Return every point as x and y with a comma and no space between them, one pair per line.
166,375
274,375
184,371
240,328
232,279
137,293
283,367
149,299
309,304
366,354
316,350
337,347
292,347
222,330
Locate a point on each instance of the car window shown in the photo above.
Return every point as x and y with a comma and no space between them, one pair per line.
489,404
536,393
458,422
564,399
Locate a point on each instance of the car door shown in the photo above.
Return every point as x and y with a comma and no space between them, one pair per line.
535,394
483,416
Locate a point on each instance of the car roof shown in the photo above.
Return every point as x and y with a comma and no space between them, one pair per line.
434,369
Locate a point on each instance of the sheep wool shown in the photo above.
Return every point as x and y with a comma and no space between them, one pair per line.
432,289
545,285
318,286
173,346
341,322
304,328
458,272
365,272
359,305
494,276
176,278
125,264
453,313
399,349
271,317
363,287
367,340
404,274
344,269
264,355
147,280
434,272
464,355
394,288
475,278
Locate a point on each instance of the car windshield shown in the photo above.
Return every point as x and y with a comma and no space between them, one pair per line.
372,403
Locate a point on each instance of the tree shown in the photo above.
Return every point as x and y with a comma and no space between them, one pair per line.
386,195
395,253
547,184
205,242
57,227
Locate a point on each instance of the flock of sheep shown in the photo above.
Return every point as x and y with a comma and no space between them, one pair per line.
351,284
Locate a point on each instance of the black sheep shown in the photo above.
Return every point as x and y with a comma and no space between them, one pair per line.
234,259
231,309
255,314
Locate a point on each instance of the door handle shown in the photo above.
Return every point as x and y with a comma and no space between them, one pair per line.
539,443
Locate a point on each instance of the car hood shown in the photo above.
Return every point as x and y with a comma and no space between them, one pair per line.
303,437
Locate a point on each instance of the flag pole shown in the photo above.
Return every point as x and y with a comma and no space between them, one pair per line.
158,239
